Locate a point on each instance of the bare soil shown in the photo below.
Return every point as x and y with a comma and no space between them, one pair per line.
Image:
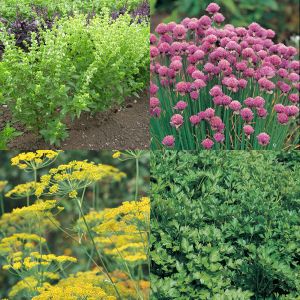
125,127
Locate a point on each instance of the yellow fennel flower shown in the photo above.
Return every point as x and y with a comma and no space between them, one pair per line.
116,154
34,160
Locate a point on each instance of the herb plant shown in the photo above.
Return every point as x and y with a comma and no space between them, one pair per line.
222,87
62,245
79,65
225,225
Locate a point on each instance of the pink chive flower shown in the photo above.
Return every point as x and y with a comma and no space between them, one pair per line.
154,52
291,110
204,21
212,8
294,98
161,28
209,113
219,137
218,18
247,114
279,108
216,91
282,118
248,129
179,32
154,102
217,124
176,65
194,95
153,89
176,121
181,87
155,112
169,141
195,120
258,101
180,105
262,112
235,106
263,139
207,144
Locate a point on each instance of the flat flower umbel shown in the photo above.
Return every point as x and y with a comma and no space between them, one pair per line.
222,87
69,178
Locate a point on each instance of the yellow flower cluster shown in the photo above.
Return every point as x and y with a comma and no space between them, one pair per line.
2,185
20,243
94,285
22,190
33,218
19,260
67,179
30,285
39,206
116,154
123,231
34,160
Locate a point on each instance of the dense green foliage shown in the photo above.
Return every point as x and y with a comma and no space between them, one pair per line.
10,8
225,225
79,66
283,16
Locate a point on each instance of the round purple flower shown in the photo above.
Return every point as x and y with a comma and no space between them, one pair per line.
161,28
169,141
219,137
235,106
212,8
153,89
279,108
209,113
195,119
291,110
154,102
248,129
180,105
282,118
246,114
218,18
194,95
176,120
263,139
179,32
294,98
207,144
155,112
216,91
181,87
262,112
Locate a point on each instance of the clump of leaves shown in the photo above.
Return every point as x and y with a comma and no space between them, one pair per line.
6,135
225,225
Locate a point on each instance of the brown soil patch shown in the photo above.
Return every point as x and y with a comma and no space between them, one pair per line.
126,127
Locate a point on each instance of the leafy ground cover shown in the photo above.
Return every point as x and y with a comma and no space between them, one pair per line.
222,87
86,60
225,225
67,232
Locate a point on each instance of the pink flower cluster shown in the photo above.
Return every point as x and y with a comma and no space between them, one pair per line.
255,76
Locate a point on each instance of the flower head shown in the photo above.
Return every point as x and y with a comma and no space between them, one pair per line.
169,141
263,139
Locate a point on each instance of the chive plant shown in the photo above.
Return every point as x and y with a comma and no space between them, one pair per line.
222,87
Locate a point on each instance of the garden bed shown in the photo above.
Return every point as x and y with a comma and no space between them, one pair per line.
125,127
